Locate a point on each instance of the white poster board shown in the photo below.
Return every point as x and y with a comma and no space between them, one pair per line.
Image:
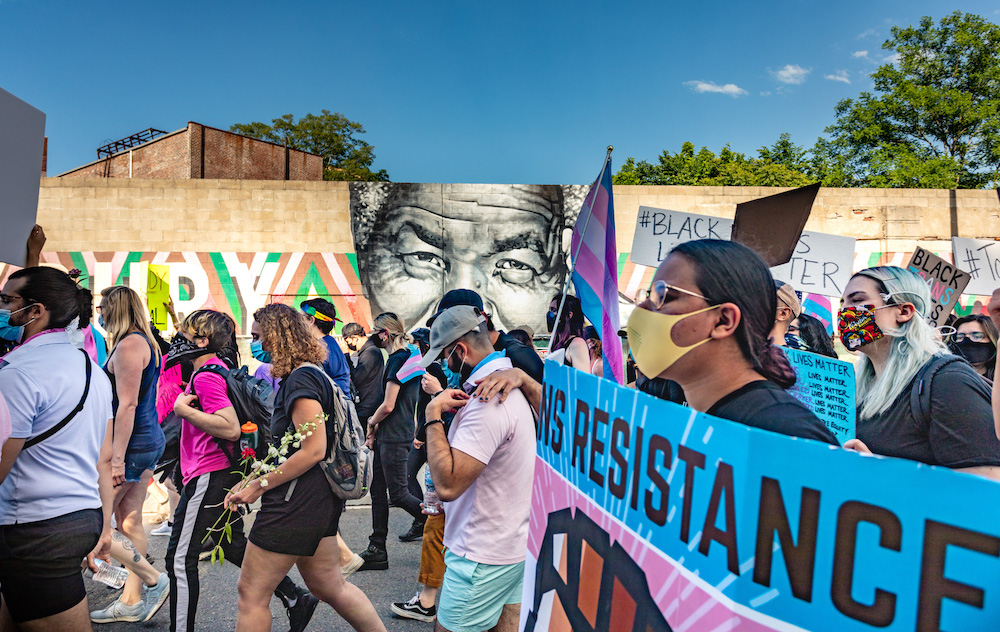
822,263
981,259
22,135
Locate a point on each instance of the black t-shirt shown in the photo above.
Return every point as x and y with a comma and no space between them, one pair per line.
367,378
305,382
763,404
398,426
959,432
521,356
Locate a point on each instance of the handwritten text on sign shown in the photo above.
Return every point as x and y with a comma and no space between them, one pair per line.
945,281
678,520
981,257
821,263
826,386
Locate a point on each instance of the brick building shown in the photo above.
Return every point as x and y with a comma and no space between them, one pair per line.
198,152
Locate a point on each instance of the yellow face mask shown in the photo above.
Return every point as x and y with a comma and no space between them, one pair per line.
649,339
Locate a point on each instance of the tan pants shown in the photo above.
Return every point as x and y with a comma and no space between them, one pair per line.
432,553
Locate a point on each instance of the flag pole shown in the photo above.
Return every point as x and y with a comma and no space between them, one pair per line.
573,256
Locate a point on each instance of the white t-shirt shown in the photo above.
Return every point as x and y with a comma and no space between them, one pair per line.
42,381
4,420
488,523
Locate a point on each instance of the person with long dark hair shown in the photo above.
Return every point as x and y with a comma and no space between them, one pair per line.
975,339
813,335
705,324
568,344
55,472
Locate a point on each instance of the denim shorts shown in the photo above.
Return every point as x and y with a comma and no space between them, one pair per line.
473,595
138,462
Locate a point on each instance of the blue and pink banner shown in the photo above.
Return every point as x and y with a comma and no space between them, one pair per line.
647,515
595,273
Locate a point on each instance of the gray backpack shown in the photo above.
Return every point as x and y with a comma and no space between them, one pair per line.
348,464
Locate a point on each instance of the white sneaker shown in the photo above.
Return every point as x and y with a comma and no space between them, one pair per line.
164,529
118,611
348,569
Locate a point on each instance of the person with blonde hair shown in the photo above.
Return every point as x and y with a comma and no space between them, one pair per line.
915,399
207,337
390,435
134,369
299,513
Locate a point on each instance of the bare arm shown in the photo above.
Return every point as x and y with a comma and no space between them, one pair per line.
129,358
11,448
991,472
501,383
106,486
579,355
222,423
36,240
453,471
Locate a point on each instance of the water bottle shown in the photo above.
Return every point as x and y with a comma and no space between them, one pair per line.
248,437
431,502
112,576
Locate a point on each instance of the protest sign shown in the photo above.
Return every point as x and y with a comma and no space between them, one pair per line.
22,136
826,386
657,231
646,515
158,294
981,257
771,226
945,280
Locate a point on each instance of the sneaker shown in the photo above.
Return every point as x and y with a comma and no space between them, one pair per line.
413,610
154,596
348,569
415,533
375,559
118,611
301,611
164,529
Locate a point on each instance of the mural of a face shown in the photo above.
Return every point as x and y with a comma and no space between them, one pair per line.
417,241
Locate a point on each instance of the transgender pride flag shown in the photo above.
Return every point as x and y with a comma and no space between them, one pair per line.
595,268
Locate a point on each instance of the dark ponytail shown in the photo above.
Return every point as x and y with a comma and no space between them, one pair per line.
728,272
85,306
58,292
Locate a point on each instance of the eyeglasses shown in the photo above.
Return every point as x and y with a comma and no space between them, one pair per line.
976,336
657,294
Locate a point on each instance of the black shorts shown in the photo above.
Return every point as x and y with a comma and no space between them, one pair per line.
295,526
40,563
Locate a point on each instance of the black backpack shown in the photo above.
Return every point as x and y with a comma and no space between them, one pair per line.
920,392
253,400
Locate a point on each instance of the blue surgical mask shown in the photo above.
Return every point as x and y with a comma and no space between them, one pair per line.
258,353
12,333
100,321
550,320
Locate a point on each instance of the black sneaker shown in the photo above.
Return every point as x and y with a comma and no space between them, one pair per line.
415,533
301,611
376,559
413,610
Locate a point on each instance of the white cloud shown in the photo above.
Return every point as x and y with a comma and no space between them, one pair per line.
860,54
865,34
792,73
840,75
731,89
765,93
891,59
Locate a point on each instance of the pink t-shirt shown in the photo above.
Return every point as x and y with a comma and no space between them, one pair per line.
4,420
488,523
200,454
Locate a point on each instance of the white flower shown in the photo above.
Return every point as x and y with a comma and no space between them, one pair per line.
295,445
283,451
282,459
256,465
272,451
297,436
263,482
309,434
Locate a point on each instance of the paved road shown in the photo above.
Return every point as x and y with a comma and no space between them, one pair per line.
217,604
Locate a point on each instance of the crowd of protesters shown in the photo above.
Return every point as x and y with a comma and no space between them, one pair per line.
84,431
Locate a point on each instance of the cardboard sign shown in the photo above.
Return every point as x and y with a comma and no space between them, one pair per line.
826,386
945,280
158,294
981,257
646,515
22,135
772,225
821,263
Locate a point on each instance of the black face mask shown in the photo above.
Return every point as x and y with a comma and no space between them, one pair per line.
351,345
182,349
975,352
550,320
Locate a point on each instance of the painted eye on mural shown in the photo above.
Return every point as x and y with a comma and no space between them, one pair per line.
422,263
515,272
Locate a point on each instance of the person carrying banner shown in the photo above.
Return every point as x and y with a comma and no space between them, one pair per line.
915,400
482,470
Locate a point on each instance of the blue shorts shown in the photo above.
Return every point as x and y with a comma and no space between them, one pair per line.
138,462
473,595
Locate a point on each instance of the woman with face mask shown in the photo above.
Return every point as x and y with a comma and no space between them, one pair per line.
915,400
975,339
705,324
568,344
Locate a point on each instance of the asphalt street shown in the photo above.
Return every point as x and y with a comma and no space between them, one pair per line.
217,603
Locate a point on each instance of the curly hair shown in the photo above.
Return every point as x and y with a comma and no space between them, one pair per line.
218,328
286,333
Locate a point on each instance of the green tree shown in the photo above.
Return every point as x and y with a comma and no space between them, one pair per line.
330,135
933,119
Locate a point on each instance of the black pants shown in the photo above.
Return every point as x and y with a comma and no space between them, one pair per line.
414,461
199,508
389,486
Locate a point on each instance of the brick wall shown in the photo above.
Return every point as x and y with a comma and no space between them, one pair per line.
164,158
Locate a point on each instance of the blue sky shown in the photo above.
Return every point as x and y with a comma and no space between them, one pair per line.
473,91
